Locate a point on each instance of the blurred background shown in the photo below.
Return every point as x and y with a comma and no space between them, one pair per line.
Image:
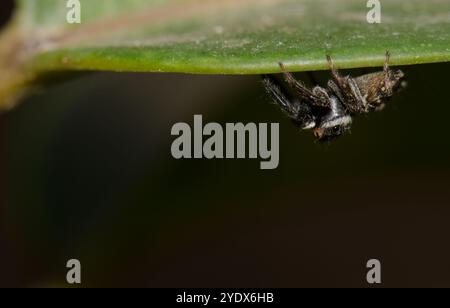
86,172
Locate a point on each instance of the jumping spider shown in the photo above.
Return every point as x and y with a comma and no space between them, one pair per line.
329,111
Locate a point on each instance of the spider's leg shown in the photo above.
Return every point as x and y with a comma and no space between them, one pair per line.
334,71
357,99
386,69
338,85
386,61
347,90
298,110
350,97
341,82
301,89
323,97
280,96
336,89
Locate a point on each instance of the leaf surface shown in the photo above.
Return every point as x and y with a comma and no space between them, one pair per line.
227,36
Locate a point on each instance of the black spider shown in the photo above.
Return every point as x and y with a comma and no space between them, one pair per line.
329,111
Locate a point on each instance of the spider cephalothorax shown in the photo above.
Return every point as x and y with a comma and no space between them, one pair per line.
329,110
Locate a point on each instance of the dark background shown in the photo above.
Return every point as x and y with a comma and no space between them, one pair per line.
7,7
86,172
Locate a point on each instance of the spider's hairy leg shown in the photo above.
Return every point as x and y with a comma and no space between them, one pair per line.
358,100
302,90
338,84
299,111
347,90
393,79
386,69
334,72
323,95
386,61
336,90
282,98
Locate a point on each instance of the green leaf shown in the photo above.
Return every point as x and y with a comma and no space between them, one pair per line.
222,36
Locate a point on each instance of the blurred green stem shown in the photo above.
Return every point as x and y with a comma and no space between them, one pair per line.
13,77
